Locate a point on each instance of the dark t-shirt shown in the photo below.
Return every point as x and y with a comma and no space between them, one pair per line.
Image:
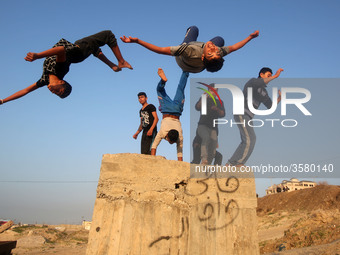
75,53
208,119
59,69
147,117
260,95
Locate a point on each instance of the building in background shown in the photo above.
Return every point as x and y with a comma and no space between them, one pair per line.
86,224
291,185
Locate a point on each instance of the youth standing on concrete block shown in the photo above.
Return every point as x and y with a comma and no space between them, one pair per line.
206,135
260,95
192,56
62,55
171,129
148,123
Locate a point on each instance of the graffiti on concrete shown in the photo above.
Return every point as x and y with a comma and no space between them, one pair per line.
214,214
184,228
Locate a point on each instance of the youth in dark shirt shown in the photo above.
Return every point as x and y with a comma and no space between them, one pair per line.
148,123
62,55
206,135
260,95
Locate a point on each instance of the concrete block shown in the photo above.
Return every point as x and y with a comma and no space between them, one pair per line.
150,205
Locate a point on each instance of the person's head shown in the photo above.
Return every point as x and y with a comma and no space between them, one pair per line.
265,72
142,98
61,88
172,136
212,57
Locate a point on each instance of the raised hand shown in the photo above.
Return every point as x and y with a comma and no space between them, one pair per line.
255,34
129,39
31,56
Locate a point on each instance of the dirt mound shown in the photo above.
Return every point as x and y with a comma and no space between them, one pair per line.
326,197
315,228
36,240
299,219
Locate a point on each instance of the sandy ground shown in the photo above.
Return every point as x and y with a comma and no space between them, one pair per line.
326,249
53,249
310,226
272,230
271,227
300,222
37,240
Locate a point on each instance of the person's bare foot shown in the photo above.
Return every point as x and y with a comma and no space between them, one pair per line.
124,64
162,74
116,68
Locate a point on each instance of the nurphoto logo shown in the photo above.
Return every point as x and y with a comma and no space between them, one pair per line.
239,104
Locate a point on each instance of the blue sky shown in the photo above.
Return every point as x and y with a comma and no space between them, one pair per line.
51,149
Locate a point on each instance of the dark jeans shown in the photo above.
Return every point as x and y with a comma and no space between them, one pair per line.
192,34
91,45
147,141
196,146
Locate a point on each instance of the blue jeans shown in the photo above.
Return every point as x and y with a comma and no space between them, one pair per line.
248,140
192,34
166,104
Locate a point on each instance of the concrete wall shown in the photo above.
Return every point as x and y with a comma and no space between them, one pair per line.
148,205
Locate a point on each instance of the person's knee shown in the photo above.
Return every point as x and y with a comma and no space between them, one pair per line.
218,41
191,34
196,145
111,38
205,139
193,29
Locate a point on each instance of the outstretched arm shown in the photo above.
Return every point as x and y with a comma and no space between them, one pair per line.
19,94
59,51
276,75
240,44
149,46
105,60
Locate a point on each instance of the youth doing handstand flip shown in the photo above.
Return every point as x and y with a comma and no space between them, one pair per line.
62,55
192,56
171,129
